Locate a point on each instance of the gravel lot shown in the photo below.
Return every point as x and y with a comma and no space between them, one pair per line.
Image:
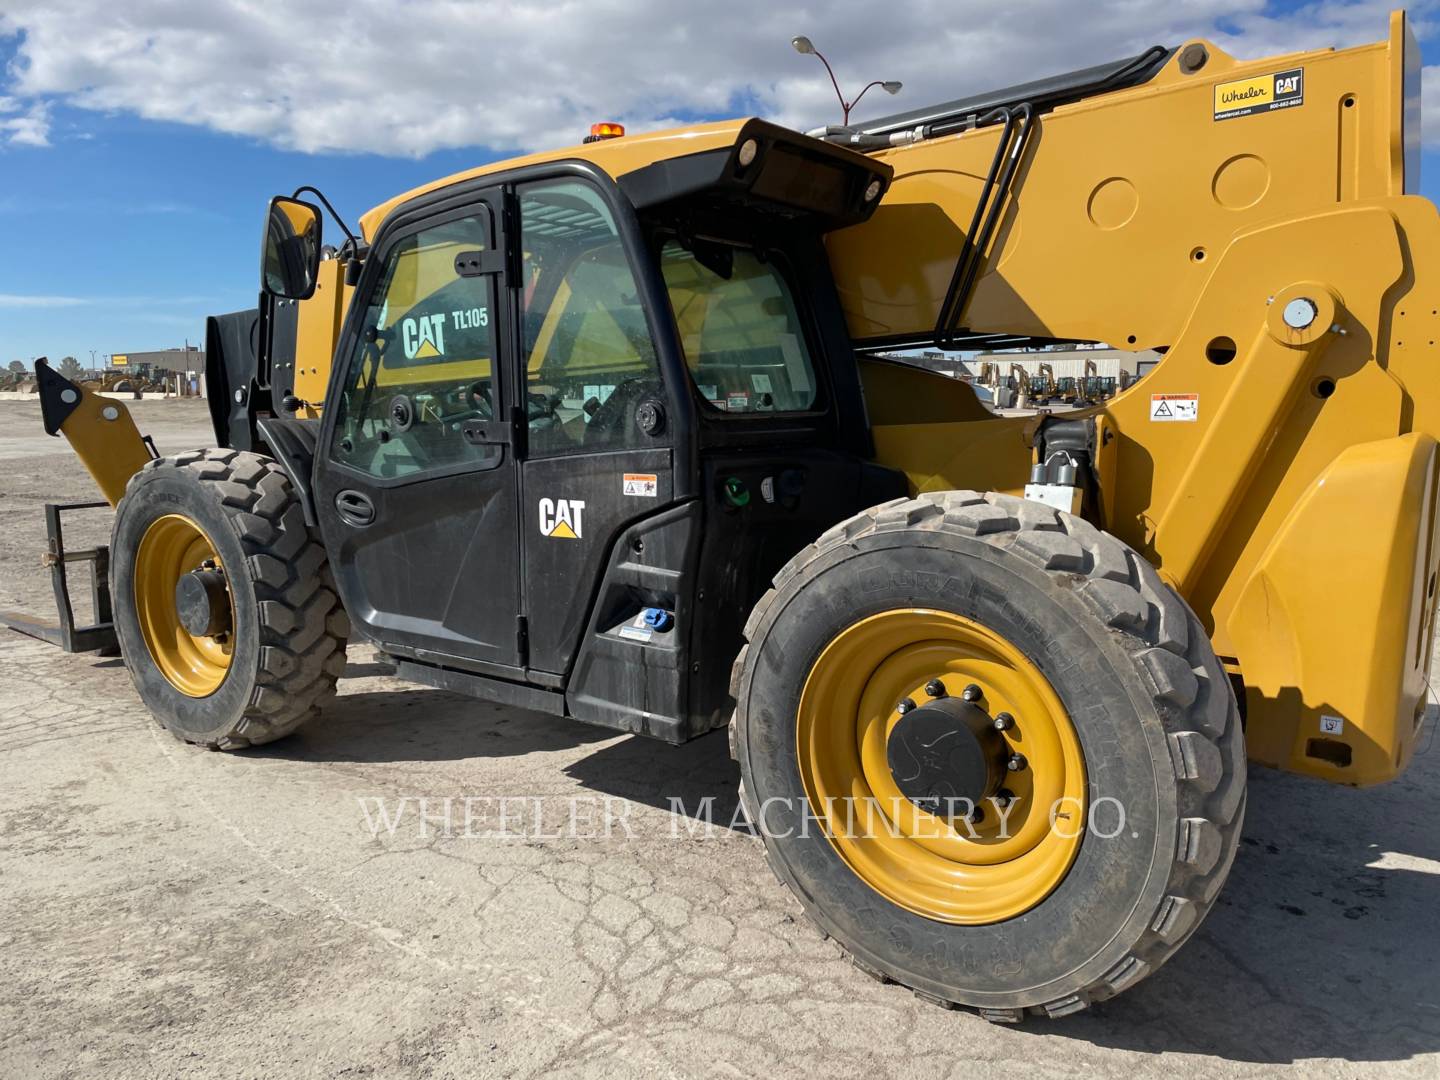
173,912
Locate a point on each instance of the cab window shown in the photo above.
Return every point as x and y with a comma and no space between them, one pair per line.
589,358
424,361
744,343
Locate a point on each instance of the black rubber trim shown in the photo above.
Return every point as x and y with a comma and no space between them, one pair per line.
292,444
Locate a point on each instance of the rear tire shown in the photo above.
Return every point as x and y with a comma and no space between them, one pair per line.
286,648
1132,666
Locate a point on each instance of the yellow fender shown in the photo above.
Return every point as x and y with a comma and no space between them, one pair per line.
1334,627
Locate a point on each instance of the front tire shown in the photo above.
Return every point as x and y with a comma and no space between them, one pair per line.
1029,606
270,655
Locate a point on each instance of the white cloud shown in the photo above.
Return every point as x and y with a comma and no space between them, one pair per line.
26,300
406,79
30,128
19,300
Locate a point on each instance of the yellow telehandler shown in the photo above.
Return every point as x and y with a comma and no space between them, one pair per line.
598,432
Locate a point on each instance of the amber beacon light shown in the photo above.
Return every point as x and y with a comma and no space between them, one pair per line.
604,131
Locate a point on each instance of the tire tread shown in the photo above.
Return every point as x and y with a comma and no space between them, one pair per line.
1157,627
302,625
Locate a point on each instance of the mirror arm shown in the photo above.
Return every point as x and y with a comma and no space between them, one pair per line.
338,219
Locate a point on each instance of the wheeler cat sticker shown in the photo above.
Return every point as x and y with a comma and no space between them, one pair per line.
1262,93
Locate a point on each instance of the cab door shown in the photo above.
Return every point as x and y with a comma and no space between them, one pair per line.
599,423
416,475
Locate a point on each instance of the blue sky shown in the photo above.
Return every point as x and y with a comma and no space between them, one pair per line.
125,233
138,146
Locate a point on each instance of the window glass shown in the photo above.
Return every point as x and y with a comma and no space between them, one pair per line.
589,359
742,336
424,363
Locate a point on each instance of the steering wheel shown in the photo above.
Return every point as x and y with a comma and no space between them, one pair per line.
479,399
541,407
609,419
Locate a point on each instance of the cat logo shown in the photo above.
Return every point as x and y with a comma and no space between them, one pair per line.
562,518
423,337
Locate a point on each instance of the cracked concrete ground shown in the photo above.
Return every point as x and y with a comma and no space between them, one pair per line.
170,912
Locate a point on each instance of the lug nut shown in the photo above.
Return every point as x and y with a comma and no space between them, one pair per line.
905,706
935,688
1004,721
1004,797
977,815
1016,762
971,693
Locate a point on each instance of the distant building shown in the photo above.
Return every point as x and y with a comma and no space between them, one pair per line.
1068,363
189,360
1054,372
167,371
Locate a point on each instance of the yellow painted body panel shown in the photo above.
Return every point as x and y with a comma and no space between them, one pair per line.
1356,551
317,331
105,439
1296,513
1126,198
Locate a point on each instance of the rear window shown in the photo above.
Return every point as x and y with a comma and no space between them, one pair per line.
742,336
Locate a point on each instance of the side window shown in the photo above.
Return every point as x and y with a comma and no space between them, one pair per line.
743,340
424,361
589,360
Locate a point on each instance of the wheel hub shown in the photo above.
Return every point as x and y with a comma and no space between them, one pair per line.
946,756
202,603
914,704
183,605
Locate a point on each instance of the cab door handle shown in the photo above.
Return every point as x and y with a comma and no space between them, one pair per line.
355,508
488,432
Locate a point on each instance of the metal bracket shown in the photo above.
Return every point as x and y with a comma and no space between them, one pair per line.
98,637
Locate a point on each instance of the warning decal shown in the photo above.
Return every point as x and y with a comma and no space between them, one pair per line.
1175,407
1264,93
644,485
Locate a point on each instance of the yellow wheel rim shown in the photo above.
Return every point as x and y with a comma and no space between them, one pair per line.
172,547
963,872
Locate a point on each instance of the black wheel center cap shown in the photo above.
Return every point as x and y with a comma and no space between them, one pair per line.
202,604
946,756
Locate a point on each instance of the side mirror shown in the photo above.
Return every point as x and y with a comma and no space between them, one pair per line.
290,255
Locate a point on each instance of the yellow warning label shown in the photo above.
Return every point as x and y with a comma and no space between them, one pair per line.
1261,93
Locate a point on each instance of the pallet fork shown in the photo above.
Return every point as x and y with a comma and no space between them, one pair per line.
98,637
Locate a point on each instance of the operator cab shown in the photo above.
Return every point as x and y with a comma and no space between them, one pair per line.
574,424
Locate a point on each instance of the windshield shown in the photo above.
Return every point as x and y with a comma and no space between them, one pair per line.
742,336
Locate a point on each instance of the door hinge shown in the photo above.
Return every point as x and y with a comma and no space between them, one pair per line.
522,639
